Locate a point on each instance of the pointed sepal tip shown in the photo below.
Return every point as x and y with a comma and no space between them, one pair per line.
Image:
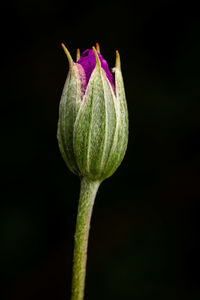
78,54
70,60
98,63
98,47
117,61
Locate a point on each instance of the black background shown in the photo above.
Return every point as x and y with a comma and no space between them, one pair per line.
144,239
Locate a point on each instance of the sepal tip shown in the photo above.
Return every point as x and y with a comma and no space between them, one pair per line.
117,61
70,60
78,54
98,63
98,47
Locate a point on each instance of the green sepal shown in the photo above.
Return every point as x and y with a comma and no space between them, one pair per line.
95,125
69,106
121,132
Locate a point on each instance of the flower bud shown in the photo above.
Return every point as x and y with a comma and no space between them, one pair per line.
93,117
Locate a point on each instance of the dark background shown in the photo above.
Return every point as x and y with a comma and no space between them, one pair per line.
144,239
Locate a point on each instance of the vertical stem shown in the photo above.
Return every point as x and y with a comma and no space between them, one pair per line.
87,196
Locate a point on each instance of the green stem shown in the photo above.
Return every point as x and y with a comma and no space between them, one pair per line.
86,201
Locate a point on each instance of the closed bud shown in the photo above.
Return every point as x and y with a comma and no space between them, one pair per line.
93,117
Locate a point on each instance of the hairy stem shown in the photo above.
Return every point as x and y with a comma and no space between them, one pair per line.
86,201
